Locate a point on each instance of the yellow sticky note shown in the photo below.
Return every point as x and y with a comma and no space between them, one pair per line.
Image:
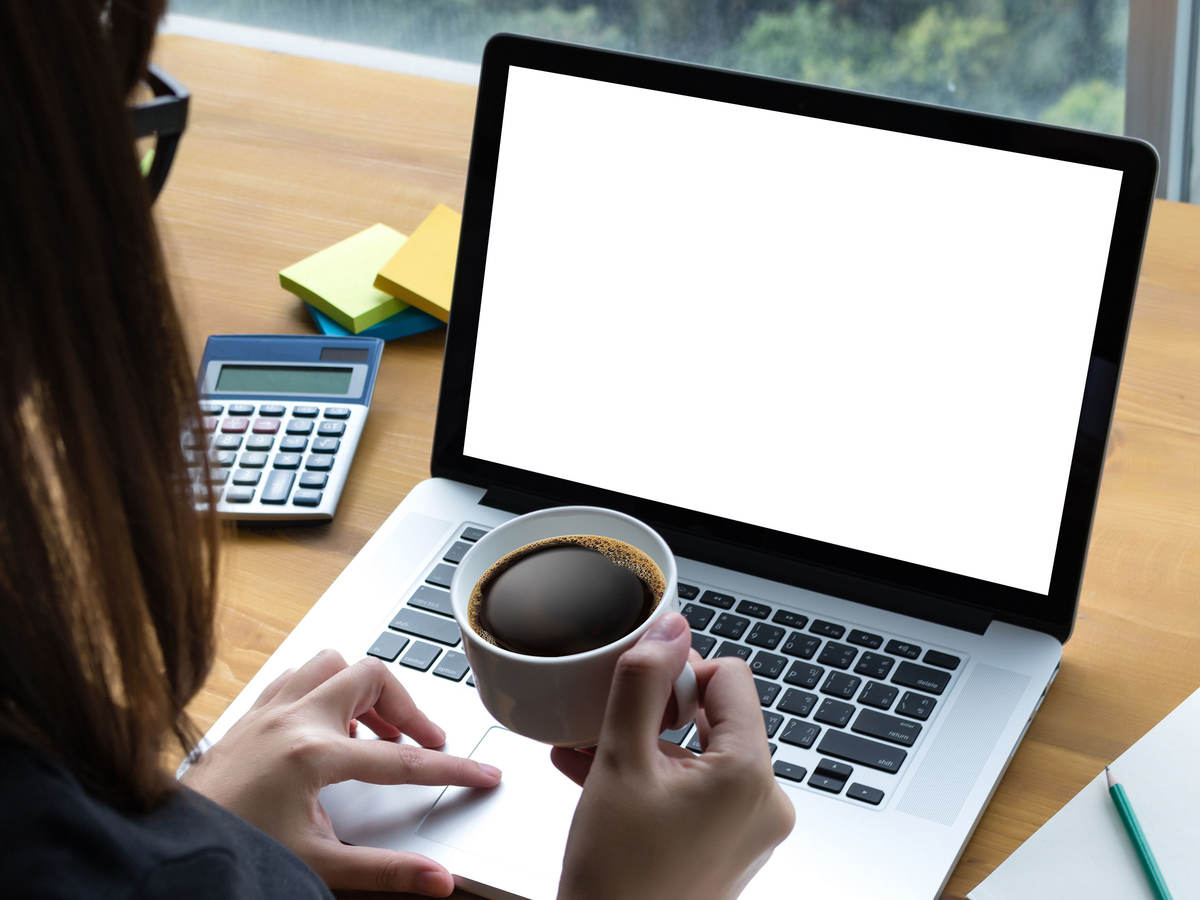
339,280
421,272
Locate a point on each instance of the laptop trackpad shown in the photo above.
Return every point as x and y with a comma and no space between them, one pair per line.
522,822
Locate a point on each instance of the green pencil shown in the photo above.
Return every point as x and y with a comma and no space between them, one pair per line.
1134,830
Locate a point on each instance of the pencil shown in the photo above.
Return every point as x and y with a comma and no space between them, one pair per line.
1134,830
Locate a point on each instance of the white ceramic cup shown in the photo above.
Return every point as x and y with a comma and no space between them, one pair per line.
557,699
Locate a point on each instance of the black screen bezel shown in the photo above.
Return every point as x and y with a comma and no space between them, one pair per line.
791,558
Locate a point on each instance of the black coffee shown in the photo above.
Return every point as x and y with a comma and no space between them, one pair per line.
565,595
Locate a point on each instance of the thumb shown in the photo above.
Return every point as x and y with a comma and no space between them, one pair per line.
641,687
346,867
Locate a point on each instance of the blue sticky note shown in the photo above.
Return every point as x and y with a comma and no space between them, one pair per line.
402,324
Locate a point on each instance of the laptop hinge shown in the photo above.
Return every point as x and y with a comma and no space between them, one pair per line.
787,570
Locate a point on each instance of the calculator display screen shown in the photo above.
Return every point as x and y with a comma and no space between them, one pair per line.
239,379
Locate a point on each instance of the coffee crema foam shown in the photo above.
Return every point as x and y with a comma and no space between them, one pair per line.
618,552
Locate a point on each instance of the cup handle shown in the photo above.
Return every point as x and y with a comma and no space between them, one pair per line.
685,695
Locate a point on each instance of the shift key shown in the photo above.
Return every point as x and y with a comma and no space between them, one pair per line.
423,625
860,750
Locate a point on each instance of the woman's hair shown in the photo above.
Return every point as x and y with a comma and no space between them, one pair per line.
107,569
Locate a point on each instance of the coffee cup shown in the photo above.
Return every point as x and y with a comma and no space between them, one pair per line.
558,699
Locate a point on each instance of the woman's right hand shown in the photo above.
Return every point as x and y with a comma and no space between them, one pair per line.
655,820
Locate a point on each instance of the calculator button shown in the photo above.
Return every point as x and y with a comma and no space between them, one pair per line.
241,409
319,463
210,423
307,498
271,409
253,459
259,442
278,486
325,445
235,425
337,412
213,409
313,480
295,427
227,441
246,476
293,444
331,429
287,461
224,457
305,412
265,426
218,476
239,494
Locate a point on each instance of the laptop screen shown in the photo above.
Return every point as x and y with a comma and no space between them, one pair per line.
872,339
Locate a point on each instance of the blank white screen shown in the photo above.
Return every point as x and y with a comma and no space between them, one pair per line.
863,337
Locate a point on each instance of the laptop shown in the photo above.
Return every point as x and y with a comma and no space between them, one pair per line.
854,358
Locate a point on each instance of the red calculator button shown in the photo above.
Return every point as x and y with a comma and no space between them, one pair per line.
266,426
234,426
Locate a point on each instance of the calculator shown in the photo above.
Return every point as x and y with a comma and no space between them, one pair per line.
283,415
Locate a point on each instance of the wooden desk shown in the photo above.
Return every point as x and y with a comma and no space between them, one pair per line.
284,156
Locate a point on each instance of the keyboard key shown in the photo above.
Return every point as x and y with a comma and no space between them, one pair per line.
431,599
772,747
694,743
271,409
305,412
687,591
789,618
388,646
885,727
829,629
278,486
421,656
801,645
764,635
259,442
943,660
227,442
721,601
325,445
831,768
804,675
768,665
432,628
837,655
313,480
296,426
866,794
456,552
337,412
241,409
916,706
767,691
772,721
755,610
253,459
728,648
473,534
703,644
224,457
864,639
441,575
293,444
265,426
797,703
453,666
874,665
288,461
855,749
306,498
332,429
903,648
239,495
318,463
921,677
788,770
825,783
675,735
800,734
834,712
878,695
246,476
839,684
697,616
471,680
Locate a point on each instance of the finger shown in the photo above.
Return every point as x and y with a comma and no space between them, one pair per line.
674,717
704,670
641,686
368,685
346,867
732,708
272,689
372,720
572,763
316,671
382,762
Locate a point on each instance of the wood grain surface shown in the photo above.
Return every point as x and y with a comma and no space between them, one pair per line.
284,156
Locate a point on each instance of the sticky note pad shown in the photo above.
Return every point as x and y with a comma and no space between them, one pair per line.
339,280
421,271
409,320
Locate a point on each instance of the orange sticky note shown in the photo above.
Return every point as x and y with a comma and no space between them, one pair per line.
421,272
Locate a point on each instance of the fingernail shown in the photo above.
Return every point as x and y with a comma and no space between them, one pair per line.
433,883
490,771
667,628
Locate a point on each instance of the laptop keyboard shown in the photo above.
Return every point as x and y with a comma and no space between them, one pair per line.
843,706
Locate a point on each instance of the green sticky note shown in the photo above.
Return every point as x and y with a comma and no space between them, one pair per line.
339,280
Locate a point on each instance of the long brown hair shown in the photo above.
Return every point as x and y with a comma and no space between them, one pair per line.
107,570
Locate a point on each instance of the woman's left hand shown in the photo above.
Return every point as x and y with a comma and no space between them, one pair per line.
297,738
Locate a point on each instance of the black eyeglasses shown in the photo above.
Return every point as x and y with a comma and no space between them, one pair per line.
163,118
